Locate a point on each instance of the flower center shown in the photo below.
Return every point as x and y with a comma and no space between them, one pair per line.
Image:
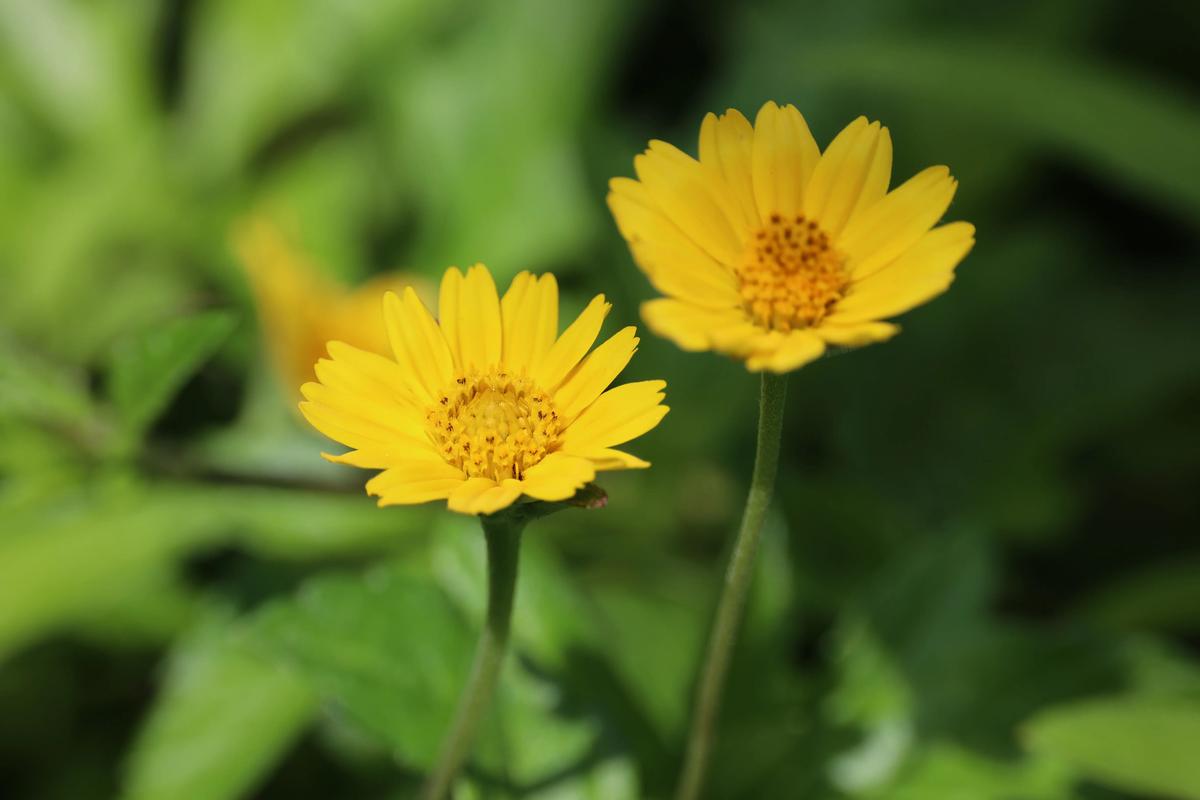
494,425
790,275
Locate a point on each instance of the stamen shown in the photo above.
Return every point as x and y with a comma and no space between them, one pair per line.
791,277
493,425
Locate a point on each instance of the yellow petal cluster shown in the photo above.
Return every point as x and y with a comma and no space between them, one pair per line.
486,403
769,250
300,309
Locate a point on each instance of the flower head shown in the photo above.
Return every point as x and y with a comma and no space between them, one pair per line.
486,403
301,309
770,250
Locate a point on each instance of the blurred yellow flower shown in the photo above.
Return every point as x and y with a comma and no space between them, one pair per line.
769,250
300,309
487,403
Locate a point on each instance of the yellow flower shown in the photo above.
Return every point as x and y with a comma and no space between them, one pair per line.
487,403
300,309
770,250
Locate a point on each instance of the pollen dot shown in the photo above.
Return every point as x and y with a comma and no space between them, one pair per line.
791,276
494,425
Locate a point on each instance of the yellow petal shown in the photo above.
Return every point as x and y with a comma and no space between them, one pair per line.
793,351
402,421
878,175
692,328
349,431
382,458
358,372
398,492
784,157
856,334
684,192
498,497
469,314
609,459
924,271
675,264
413,470
529,312
572,345
463,498
726,145
889,227
595,373
557,477
414,482
618,415
840,177
483,496
418,345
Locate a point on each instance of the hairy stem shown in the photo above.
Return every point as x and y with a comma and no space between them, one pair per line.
503,534
707,704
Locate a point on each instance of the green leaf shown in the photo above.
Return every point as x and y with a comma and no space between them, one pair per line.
1136,744
392,653
389,648
147,371
223,718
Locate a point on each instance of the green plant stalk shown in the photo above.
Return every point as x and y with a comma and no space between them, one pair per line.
503,535
707,704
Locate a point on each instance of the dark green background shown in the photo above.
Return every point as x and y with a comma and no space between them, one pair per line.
981,578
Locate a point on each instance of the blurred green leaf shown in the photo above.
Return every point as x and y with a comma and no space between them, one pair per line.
1160,596
79,63
79,557
254,68
58,575
147,370
498,162
653,641
223,718
872,696
1135,744
32,388
1141,131
975,676
947,771
297,524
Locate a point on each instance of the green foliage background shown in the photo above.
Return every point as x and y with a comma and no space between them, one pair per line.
981,578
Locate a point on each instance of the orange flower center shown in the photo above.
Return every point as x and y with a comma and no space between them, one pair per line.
791,277
494,425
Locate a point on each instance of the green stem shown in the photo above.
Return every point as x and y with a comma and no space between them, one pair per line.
707,704
503,534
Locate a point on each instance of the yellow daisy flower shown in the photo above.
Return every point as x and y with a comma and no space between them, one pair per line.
487,403
769,250
300,308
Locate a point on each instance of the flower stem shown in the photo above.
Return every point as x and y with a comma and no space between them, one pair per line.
503,535
707,703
